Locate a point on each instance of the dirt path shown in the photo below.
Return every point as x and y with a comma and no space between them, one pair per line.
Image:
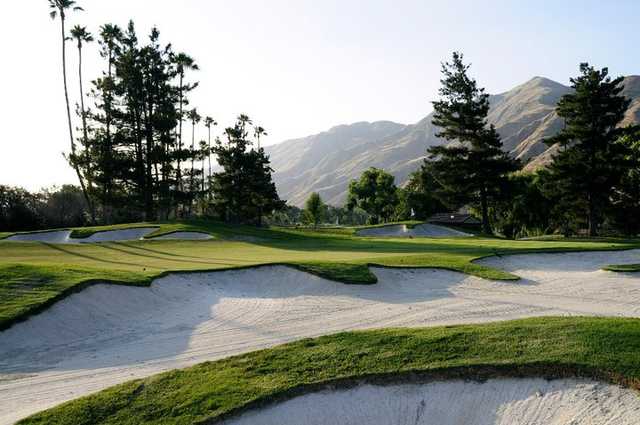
108,334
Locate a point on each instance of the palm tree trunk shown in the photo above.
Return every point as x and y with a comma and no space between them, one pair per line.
74,163
179,174
209,154
92,209
179,137
193,142
107,148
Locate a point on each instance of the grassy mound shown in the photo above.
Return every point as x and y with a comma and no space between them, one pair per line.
599,348
623,268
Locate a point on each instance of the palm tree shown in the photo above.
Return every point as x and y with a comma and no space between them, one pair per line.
60,7
81,35
208,122
204,152
195,118
183,63
258,132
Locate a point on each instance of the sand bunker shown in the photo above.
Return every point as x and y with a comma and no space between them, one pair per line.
132,234
494,402
421,230
108,334
56,236
191,236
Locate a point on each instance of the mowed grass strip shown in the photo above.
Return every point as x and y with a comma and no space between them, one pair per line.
623,268
600,348
34,275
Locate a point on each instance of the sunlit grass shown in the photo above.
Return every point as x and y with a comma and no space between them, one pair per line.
341,257
599,348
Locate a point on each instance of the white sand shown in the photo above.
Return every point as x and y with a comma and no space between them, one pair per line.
108,334
132,234
56,236
190,236
421,230
495,402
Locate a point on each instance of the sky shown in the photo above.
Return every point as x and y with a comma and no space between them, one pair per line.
299,67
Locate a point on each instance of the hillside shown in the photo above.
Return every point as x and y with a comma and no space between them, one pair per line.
326,162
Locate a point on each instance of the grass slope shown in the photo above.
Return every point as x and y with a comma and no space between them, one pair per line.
599,348
623,268
34,275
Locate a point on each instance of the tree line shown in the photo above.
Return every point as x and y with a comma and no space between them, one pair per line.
131,155
592,185
51,208
134,161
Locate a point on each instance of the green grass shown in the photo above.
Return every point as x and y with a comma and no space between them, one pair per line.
604,349
34,275
623,268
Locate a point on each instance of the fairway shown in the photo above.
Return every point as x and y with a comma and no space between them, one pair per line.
280,285
332,254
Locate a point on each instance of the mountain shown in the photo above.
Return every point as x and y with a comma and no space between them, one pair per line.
326,162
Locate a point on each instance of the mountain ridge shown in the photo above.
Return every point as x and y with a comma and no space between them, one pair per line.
325,162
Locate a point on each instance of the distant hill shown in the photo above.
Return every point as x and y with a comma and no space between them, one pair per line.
326,162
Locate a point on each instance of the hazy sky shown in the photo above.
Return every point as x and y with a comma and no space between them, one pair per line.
300,67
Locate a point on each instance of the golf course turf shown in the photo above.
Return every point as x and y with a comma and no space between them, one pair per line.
600,348
34,275
623,268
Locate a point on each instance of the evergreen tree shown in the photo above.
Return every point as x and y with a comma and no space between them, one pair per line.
588,164
243,191
471,169
133,136
314,209
420,194
626,194
375,192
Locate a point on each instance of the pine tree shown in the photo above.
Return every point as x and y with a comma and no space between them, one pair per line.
470,169
420,193
589,163
244,190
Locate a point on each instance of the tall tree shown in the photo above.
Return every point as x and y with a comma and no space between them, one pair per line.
588,164
60,8
243,190
208,122
471,169
420,192
183,63
110,38
258,132
375,192
195,118
314,209
626,194
82,36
